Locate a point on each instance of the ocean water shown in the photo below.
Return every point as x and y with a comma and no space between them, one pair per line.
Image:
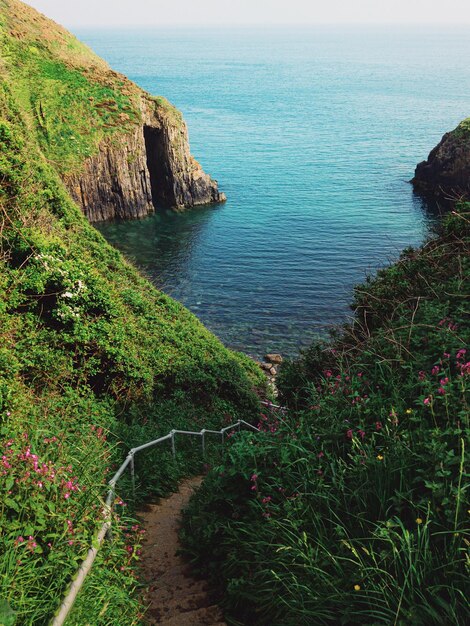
313,133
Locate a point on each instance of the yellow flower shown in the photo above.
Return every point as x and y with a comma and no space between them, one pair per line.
357,587
419,520
409,411
380,457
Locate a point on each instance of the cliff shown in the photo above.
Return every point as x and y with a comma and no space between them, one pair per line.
149,167
446,172
121,152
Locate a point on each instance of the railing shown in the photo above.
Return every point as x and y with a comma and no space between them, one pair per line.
105,529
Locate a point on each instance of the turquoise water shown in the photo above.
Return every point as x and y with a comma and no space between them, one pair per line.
313,134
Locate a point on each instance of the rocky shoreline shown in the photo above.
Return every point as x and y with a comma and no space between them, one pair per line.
270,366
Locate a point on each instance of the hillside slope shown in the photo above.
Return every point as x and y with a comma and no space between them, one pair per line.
120,151
352,507
93,359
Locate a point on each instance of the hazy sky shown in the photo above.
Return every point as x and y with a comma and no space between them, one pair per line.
198,12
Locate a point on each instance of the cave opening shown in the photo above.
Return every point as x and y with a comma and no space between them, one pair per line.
157,164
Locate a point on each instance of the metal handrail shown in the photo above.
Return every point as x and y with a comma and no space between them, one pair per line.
106,527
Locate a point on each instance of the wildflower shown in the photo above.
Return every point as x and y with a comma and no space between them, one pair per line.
435,370
378,425
361,433
357,587
321,455
444,381
380,457
409,411
427,401
349,433
419,520
441,391
460,355
31,543
421,375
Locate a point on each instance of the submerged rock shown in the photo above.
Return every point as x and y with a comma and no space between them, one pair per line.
446,172
276,359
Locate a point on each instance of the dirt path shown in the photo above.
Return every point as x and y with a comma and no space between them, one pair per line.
174,597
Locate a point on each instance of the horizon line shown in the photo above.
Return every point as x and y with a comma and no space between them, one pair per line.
266,25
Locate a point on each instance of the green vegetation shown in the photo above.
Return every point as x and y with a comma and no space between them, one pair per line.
463,129
353,508
93,359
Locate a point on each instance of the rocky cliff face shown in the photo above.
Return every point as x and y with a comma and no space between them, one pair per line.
446,172
146,168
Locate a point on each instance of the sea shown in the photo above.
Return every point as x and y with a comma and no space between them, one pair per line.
313,133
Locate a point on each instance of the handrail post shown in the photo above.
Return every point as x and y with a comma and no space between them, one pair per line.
203,438
132,466
109,512
173,447
239,425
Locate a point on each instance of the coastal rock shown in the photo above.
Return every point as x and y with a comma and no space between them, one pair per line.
276,359
266,366
446,172
137,172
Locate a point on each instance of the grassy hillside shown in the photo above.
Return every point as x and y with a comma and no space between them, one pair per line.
353,507
90,353
70,99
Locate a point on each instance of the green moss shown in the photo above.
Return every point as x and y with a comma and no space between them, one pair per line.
463,130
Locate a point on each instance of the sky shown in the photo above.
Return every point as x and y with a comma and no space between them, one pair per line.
251,12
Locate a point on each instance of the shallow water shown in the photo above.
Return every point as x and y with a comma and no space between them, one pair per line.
313,134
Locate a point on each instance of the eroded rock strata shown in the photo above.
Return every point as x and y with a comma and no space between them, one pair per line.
151,166
446,172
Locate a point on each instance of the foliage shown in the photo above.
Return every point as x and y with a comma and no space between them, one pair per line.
353,507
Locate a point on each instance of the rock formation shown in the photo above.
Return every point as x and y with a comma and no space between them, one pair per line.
151,166
446,172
